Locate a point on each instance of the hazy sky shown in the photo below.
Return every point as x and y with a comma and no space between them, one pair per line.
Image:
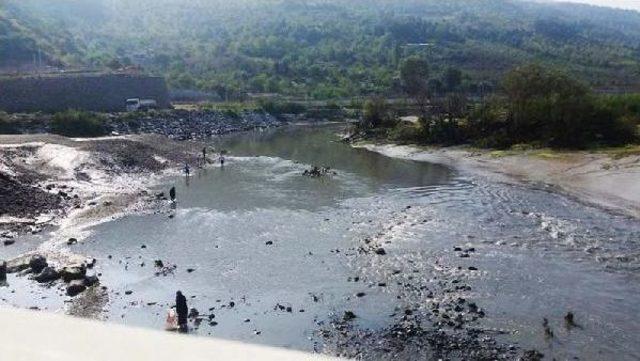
625,4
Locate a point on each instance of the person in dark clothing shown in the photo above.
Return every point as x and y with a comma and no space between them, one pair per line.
182,310
172,194
187,170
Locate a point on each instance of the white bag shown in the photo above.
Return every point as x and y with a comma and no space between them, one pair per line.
171,323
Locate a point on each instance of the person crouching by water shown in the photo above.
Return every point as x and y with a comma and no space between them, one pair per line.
182,310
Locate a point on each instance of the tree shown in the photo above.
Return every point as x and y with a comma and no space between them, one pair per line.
435,86
375,113
414,73
452,79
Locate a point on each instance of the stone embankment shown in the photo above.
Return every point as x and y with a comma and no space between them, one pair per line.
175,124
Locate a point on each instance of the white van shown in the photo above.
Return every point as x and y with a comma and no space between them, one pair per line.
135,104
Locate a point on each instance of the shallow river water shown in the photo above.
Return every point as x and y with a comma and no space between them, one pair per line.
256,234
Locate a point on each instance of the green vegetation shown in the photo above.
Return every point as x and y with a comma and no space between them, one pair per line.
324,49
536,108
74,123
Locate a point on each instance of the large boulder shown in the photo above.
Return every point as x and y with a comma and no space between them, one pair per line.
76,287
70,273
37,263
18,264
48,274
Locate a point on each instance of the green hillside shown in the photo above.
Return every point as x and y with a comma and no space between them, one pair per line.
323,49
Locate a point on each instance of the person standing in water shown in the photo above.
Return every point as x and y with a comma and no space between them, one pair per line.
187,170
172,194
204,156
222,160
182,310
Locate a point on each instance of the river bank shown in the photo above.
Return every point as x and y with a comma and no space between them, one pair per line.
56,188
607,178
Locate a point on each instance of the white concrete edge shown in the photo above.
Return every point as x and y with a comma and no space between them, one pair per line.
40,336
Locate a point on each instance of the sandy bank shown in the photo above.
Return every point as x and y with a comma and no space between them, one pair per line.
599,178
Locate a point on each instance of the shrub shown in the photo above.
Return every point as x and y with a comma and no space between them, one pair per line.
376,113
76,123
405,133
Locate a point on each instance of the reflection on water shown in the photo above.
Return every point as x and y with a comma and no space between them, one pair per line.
258,233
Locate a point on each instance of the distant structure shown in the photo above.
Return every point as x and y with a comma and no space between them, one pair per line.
84,91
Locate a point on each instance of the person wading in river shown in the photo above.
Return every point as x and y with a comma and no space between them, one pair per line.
172,194
187,170
182,310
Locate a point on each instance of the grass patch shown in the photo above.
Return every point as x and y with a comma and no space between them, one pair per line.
76,123
622,152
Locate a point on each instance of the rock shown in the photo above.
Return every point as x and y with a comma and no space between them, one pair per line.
348,316
360,294
193,313
70,273
128,292
75,287
8,242
48,274
532,355
158,263
37,263
143,246
473,268
380,251
569,319
71,241
269,243
18,264
3,271
189,270
91,280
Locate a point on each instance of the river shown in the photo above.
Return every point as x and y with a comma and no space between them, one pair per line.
275,256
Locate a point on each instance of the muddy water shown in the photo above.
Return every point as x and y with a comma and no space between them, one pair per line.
257,235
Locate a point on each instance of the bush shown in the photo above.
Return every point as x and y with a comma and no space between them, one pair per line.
376,114
76,123
405,133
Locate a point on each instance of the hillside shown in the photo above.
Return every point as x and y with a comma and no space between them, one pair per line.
323,49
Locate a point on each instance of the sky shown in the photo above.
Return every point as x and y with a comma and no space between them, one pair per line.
624,4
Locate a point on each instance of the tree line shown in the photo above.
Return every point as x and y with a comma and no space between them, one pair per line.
534,105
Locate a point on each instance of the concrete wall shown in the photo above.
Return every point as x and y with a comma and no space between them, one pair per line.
97,92
40,336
